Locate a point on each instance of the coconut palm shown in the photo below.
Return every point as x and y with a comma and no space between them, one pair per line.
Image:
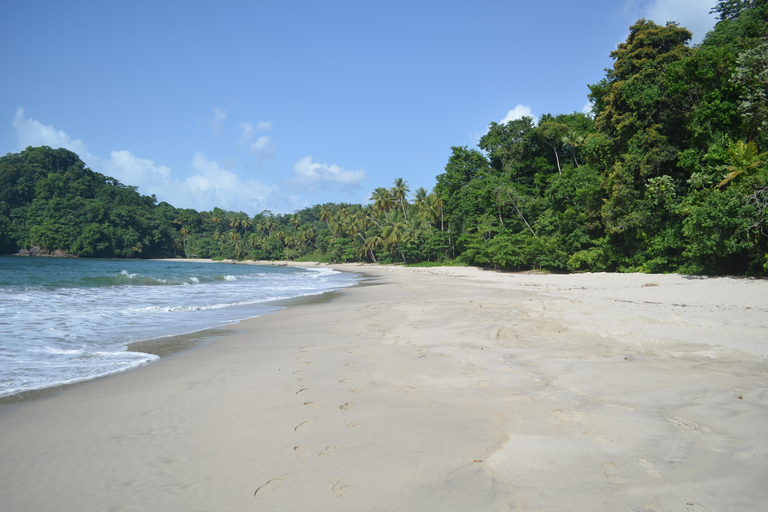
245,224
184,232
325,216
393,232
295,221
307,235
269,225
338,222
573,140
744,158
420,195
400,194
382,199
240,251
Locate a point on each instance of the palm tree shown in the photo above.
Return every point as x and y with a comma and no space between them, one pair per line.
382,199
421,194
359,228
295,221
245,223
280,236
573,140
233,223
394,233
269,224
744,158
400,193
326,215
218,237
434,209
184,232
338,221
240,251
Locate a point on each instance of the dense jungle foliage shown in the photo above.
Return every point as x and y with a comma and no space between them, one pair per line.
666,175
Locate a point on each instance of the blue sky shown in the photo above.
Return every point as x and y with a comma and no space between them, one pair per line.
256,105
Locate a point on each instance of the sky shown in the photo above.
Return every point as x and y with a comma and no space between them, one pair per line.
253,105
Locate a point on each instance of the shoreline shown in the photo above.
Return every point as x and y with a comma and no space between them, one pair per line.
442,388
172,344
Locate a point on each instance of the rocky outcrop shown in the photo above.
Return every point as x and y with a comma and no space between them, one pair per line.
36,250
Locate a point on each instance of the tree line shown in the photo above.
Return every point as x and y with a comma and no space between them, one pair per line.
665,175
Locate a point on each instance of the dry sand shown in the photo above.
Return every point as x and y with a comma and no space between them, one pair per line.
433,389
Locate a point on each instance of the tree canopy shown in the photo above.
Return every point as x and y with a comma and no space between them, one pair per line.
669,173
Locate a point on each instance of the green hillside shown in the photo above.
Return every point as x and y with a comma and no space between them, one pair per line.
666,175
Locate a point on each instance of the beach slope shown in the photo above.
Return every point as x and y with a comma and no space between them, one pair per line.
429,389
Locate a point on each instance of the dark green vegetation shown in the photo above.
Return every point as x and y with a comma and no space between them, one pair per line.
666,176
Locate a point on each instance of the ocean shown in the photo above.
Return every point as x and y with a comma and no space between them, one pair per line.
69,320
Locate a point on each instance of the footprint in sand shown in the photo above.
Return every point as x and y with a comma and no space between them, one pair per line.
328,451
356,390
345,407
352,424
339,486
304,425
299,371
568,415
301,452
695,507
302,390
301,379
356,370
650,468
269,487
612,473
310,404
308,362
344,381
348,364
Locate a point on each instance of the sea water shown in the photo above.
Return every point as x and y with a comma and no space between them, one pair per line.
68,320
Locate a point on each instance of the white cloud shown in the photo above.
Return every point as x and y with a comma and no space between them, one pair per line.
140,172
34,133
263,147
518,112
247,135
587,109
211,185
218,118
311,174
691,14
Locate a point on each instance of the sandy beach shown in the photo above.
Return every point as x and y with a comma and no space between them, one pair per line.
423,389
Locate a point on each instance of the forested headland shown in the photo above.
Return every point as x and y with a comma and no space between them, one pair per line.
665,175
